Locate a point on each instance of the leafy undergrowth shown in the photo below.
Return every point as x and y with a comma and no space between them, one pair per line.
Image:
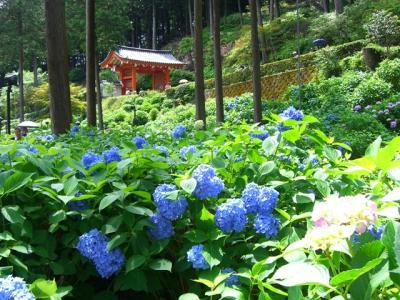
235,212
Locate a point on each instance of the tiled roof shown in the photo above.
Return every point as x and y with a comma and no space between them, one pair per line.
148,56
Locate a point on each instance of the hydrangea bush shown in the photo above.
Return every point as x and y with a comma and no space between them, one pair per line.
223,213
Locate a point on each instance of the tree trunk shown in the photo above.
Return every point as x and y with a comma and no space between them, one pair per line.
219,97
21,70
277,9
57,64
154,38
240,12
263,41
8,109
325,5
199,62
138,33
99,98
35,71
191,18
338,7
225,10
271,10
256,63
90,64
133,34
371,58
210,10
187,31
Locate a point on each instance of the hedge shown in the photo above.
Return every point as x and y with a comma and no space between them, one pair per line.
306,60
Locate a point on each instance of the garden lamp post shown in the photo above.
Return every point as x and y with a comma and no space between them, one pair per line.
11,79
1,123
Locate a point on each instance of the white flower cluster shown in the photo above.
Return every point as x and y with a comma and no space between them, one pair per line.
337,218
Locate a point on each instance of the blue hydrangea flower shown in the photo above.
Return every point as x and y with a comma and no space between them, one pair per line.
301,165
93,245
14,288
259,199
232,279
293,114
267,200
67,170
376,232
314,160
195,256
112,155
188,149
48,138
78,205
179,131
231,216
109,263
33,150
262,135
90,159
169,209
161,228
250,197
331,117
234,104
267,225
355,238
139,142
75,128
208,184
162,149
284,158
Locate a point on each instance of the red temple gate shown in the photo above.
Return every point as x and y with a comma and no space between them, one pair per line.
128,62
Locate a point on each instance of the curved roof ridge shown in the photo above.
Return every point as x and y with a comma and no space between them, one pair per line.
145,50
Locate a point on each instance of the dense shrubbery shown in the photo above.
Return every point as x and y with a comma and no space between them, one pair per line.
306,60
182,94
178,74
149,211
357,105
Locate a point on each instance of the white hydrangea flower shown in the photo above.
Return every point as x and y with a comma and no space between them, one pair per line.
332,238
357,211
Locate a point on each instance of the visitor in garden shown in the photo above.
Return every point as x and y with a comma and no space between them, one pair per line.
18,133
24,131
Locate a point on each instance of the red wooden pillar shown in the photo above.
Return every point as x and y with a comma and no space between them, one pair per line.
167,78
133,79
153,80
123,86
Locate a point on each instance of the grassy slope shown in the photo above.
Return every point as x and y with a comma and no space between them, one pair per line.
281,35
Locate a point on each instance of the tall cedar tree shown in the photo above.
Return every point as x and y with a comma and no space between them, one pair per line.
90,63
219,97
190,18
325,6
199,61
256,63
239,6
57,64
274,9
338,6
263,41
154,26
21,68
99,97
